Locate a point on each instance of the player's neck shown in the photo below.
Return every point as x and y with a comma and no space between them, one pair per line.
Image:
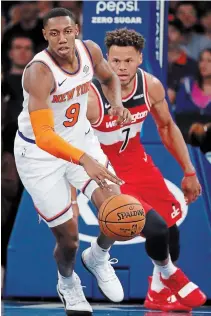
70,63
127,90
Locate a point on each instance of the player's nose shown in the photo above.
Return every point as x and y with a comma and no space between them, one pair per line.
122,66
62,39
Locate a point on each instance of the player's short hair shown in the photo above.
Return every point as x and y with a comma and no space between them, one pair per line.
124,37
56,12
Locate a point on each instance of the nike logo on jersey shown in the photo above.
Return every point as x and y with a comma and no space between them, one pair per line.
59,84
145,157
139,96
87,132
107,105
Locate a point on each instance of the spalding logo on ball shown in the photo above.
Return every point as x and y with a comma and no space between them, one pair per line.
121,217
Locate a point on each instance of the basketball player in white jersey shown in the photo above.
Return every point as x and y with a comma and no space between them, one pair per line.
51,150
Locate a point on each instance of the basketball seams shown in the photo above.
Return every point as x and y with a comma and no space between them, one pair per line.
121,207
127,237
110,199
140,220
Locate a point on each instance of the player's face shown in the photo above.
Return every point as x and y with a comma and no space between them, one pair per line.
205,64
60,33
124,60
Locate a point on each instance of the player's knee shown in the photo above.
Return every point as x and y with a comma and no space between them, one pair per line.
155,226
174,242
157,236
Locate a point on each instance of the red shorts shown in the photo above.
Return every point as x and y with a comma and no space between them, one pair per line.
149,187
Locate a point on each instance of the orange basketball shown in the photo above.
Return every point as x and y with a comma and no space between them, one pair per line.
121,217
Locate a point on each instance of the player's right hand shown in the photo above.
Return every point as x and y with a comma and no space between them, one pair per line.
98,172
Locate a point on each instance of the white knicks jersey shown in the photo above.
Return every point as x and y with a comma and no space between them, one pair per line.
68,100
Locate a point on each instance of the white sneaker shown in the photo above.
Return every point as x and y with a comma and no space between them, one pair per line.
107,280
72,296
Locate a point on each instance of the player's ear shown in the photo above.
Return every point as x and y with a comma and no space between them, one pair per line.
76,30
140,58
44,34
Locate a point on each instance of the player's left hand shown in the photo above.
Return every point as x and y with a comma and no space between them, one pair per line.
124,115
191,188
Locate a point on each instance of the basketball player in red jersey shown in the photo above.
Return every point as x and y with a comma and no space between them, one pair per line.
169,288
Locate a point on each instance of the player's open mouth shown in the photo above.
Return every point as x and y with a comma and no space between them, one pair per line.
64,50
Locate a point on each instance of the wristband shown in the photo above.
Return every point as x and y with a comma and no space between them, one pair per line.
190,174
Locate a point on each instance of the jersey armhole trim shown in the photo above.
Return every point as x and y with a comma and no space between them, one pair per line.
89,54
42,62
100,105
146,96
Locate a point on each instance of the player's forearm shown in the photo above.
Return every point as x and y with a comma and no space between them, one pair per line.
112,91
46,139
174,142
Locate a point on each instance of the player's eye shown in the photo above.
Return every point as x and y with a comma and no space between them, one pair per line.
68,31
53,34
116,60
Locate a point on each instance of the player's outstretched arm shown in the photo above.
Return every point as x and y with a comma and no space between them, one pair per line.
110,84
172,137
38,82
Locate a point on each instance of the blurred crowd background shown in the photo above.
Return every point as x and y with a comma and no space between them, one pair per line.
188,79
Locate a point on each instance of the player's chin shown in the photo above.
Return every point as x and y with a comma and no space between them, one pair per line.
63,53
124,83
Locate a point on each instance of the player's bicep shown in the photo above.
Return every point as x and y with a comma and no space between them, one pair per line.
159,109
38,82
93,108
161,114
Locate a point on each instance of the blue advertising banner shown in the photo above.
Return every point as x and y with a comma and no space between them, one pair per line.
146,17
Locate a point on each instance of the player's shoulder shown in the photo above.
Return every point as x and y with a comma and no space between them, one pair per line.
154,86
94,50
151,79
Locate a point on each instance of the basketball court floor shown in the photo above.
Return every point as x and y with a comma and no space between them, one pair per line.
56,309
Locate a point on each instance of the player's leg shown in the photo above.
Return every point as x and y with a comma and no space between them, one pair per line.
65,229
96,258
50,191
74,201
169,208
174,243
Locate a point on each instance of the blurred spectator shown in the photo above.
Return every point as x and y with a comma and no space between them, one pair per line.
193,100
194,43
206,23
44,7
14,15
20,53
179,64
200,136
29,26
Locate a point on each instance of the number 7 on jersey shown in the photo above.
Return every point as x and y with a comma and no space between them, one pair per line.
127,132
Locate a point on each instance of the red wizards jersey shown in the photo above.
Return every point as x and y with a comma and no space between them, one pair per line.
122,144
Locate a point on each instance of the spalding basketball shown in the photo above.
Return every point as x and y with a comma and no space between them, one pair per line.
121,217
